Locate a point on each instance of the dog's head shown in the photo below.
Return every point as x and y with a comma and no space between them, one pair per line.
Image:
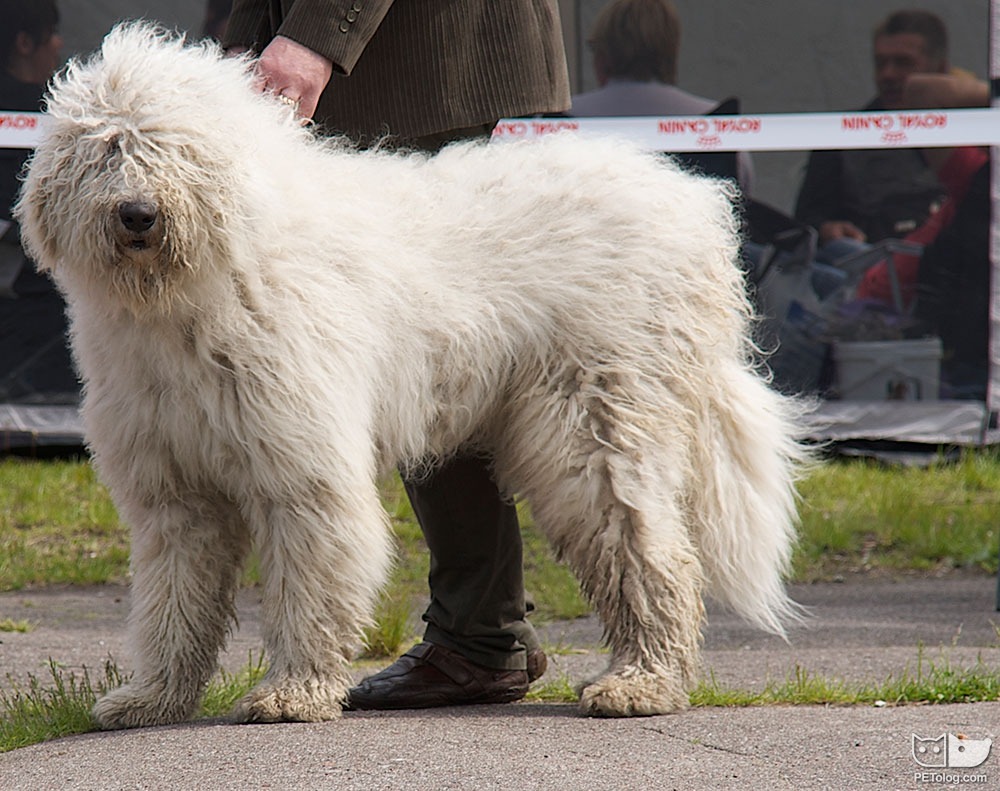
140,181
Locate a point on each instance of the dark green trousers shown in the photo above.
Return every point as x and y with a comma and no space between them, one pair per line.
476,579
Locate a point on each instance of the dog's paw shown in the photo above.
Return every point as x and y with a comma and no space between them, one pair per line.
633,692
292,700
135,706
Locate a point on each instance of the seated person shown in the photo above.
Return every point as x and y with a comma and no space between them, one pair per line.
35,362
955,168
956,171
950,280
29,54
859,196
636,46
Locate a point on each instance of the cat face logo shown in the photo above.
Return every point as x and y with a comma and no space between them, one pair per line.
947,750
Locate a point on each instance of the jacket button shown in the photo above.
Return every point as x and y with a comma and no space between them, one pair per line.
344,27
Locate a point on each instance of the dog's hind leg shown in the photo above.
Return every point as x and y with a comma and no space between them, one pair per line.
649,600
323,558
611,505
644,580
186,561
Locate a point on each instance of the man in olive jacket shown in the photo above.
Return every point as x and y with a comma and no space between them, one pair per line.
422,74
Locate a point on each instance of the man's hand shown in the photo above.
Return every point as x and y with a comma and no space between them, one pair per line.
957,89
287,68
839,229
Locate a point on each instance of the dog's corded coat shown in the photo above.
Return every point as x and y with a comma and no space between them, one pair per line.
266,321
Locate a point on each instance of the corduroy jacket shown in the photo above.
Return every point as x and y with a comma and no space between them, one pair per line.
414,68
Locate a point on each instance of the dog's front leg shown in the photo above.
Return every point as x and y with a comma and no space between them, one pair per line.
323,560
186,561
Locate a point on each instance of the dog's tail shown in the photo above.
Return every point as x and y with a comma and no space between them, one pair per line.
746,464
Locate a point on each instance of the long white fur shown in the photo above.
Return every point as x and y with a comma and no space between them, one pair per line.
312,316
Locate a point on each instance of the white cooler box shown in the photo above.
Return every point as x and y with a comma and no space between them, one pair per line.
888,370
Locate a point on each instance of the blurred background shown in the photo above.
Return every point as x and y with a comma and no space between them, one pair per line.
774,55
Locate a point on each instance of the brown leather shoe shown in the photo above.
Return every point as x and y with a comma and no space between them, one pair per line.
537,665
430,675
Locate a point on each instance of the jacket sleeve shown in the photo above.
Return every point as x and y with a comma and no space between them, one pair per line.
337,29
249,25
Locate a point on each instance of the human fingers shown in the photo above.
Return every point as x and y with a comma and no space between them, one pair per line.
289,69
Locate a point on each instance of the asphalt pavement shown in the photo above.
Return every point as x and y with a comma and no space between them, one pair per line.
859,631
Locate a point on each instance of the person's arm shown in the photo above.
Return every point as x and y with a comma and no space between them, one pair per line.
945,90
819,203
315,39
339,30
923,91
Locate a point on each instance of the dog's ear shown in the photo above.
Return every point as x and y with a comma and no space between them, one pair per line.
32,211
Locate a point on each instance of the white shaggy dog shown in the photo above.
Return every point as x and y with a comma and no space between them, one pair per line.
266,321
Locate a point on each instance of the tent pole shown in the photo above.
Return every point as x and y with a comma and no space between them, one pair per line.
994,341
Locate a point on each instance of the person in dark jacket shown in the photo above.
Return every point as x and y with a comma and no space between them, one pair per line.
864,196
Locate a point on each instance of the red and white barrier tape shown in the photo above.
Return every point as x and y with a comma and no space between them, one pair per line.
768,132
778,132
20,130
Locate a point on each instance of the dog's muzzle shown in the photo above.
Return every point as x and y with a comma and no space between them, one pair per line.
138,226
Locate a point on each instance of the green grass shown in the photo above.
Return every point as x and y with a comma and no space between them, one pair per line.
930,682
557,690
391,629
227,688
39,710
10,625
859,516
58,526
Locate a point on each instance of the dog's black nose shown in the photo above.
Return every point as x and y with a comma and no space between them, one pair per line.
137,216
